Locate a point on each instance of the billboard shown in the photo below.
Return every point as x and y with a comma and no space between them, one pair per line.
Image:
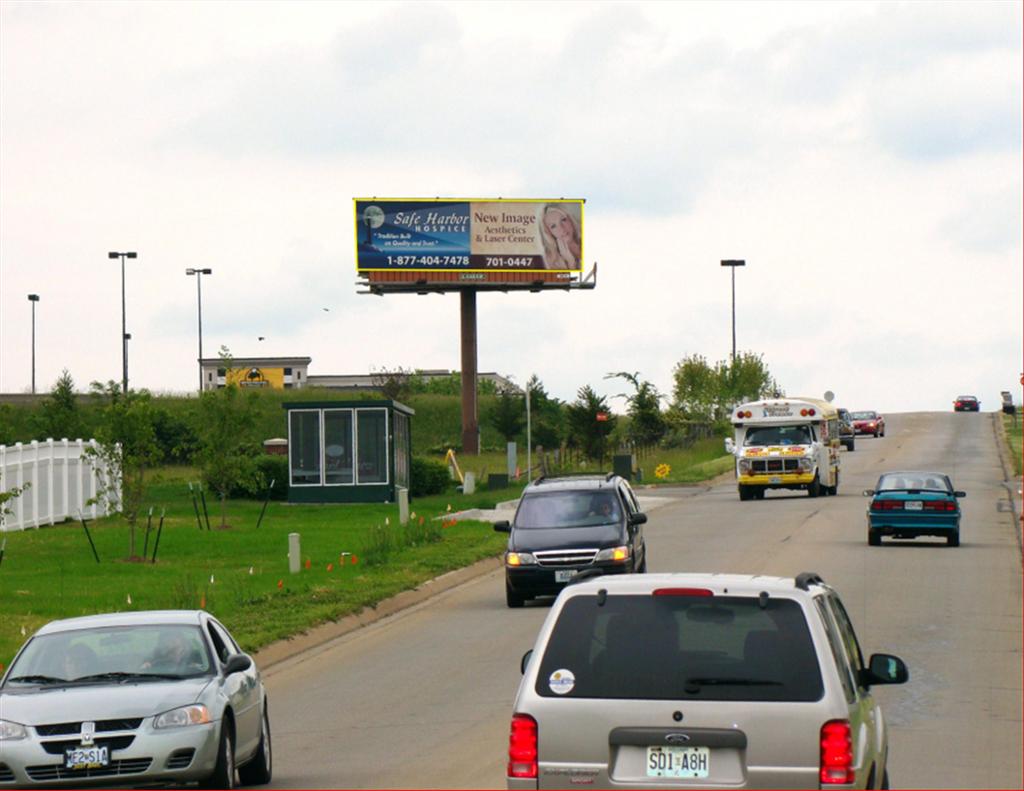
453,235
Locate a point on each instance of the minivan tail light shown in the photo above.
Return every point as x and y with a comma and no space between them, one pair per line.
836,753
683,592
522,746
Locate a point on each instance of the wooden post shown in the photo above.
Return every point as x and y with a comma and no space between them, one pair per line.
470,427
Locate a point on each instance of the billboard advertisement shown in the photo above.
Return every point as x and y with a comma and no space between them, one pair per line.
446,235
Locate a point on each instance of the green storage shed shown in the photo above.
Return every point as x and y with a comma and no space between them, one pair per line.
348,451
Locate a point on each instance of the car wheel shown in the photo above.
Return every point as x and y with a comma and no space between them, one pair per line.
224,772
642,568
852,446
814,487
874,538
745,492
953,539
513,599
885,779
258,771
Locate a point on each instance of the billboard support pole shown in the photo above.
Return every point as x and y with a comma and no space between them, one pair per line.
470,427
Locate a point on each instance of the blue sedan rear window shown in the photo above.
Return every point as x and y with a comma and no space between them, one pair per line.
919,481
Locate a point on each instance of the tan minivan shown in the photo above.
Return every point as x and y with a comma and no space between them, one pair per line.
699,681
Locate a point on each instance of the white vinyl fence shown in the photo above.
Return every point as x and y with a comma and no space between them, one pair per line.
61,479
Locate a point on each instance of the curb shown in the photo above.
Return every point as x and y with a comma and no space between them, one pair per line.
1009,479
318,637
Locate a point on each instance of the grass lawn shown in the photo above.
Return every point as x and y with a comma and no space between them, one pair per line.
1013,437
241,575
235,573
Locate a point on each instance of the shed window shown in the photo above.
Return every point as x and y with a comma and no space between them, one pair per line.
304,447
371,428
338,446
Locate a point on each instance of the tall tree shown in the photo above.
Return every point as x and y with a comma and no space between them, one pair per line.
590,422
59,414
508,415
126,450
547,418
646,424
695,388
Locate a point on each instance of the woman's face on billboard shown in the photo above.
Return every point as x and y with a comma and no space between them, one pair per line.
558,223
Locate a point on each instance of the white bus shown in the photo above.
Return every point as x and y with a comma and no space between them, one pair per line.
785,443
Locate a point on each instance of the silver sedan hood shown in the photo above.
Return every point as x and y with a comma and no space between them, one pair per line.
46,705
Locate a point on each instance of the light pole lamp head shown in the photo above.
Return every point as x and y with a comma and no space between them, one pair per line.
734,262
191,271
118,255
33,297
206,271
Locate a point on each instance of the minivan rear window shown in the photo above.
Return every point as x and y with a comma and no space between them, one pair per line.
681,647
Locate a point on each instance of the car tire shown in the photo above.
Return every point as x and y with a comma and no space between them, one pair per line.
745,492
513,599
874,538
814,487
258,771
224,772
642,568
885,779
852,446
953,539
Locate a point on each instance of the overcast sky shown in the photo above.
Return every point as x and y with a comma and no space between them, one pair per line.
865,159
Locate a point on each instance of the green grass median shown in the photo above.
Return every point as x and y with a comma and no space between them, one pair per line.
1014,429
239,574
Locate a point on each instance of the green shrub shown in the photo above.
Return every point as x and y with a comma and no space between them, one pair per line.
427,477
268,468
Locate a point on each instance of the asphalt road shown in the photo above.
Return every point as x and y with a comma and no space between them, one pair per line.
423,699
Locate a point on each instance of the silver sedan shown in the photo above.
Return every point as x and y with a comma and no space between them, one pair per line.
130,698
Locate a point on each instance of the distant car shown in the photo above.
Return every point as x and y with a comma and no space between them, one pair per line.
847,434
911,504
868,423
567,524
133,698
966,403
684,681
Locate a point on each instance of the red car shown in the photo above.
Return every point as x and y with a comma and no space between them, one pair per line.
966,403
868,423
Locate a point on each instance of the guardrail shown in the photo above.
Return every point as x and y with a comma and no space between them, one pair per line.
60,478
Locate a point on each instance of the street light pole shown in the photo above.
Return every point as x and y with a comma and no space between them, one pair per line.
732,264
199,297
124,329
33,298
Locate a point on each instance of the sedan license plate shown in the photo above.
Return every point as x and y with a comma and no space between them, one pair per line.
564,575
86,757
913,505
678,761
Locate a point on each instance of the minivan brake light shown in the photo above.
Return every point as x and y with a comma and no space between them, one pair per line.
682,592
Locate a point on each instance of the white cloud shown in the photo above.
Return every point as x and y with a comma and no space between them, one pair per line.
864,158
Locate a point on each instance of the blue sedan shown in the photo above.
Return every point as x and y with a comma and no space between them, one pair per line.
911,504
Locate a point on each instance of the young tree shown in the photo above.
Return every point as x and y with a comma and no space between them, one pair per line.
127,449
646,423
590,422
508,415
59,414
744,379
227,447
393,384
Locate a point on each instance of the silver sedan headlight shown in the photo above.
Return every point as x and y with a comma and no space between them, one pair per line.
10,731
196,714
